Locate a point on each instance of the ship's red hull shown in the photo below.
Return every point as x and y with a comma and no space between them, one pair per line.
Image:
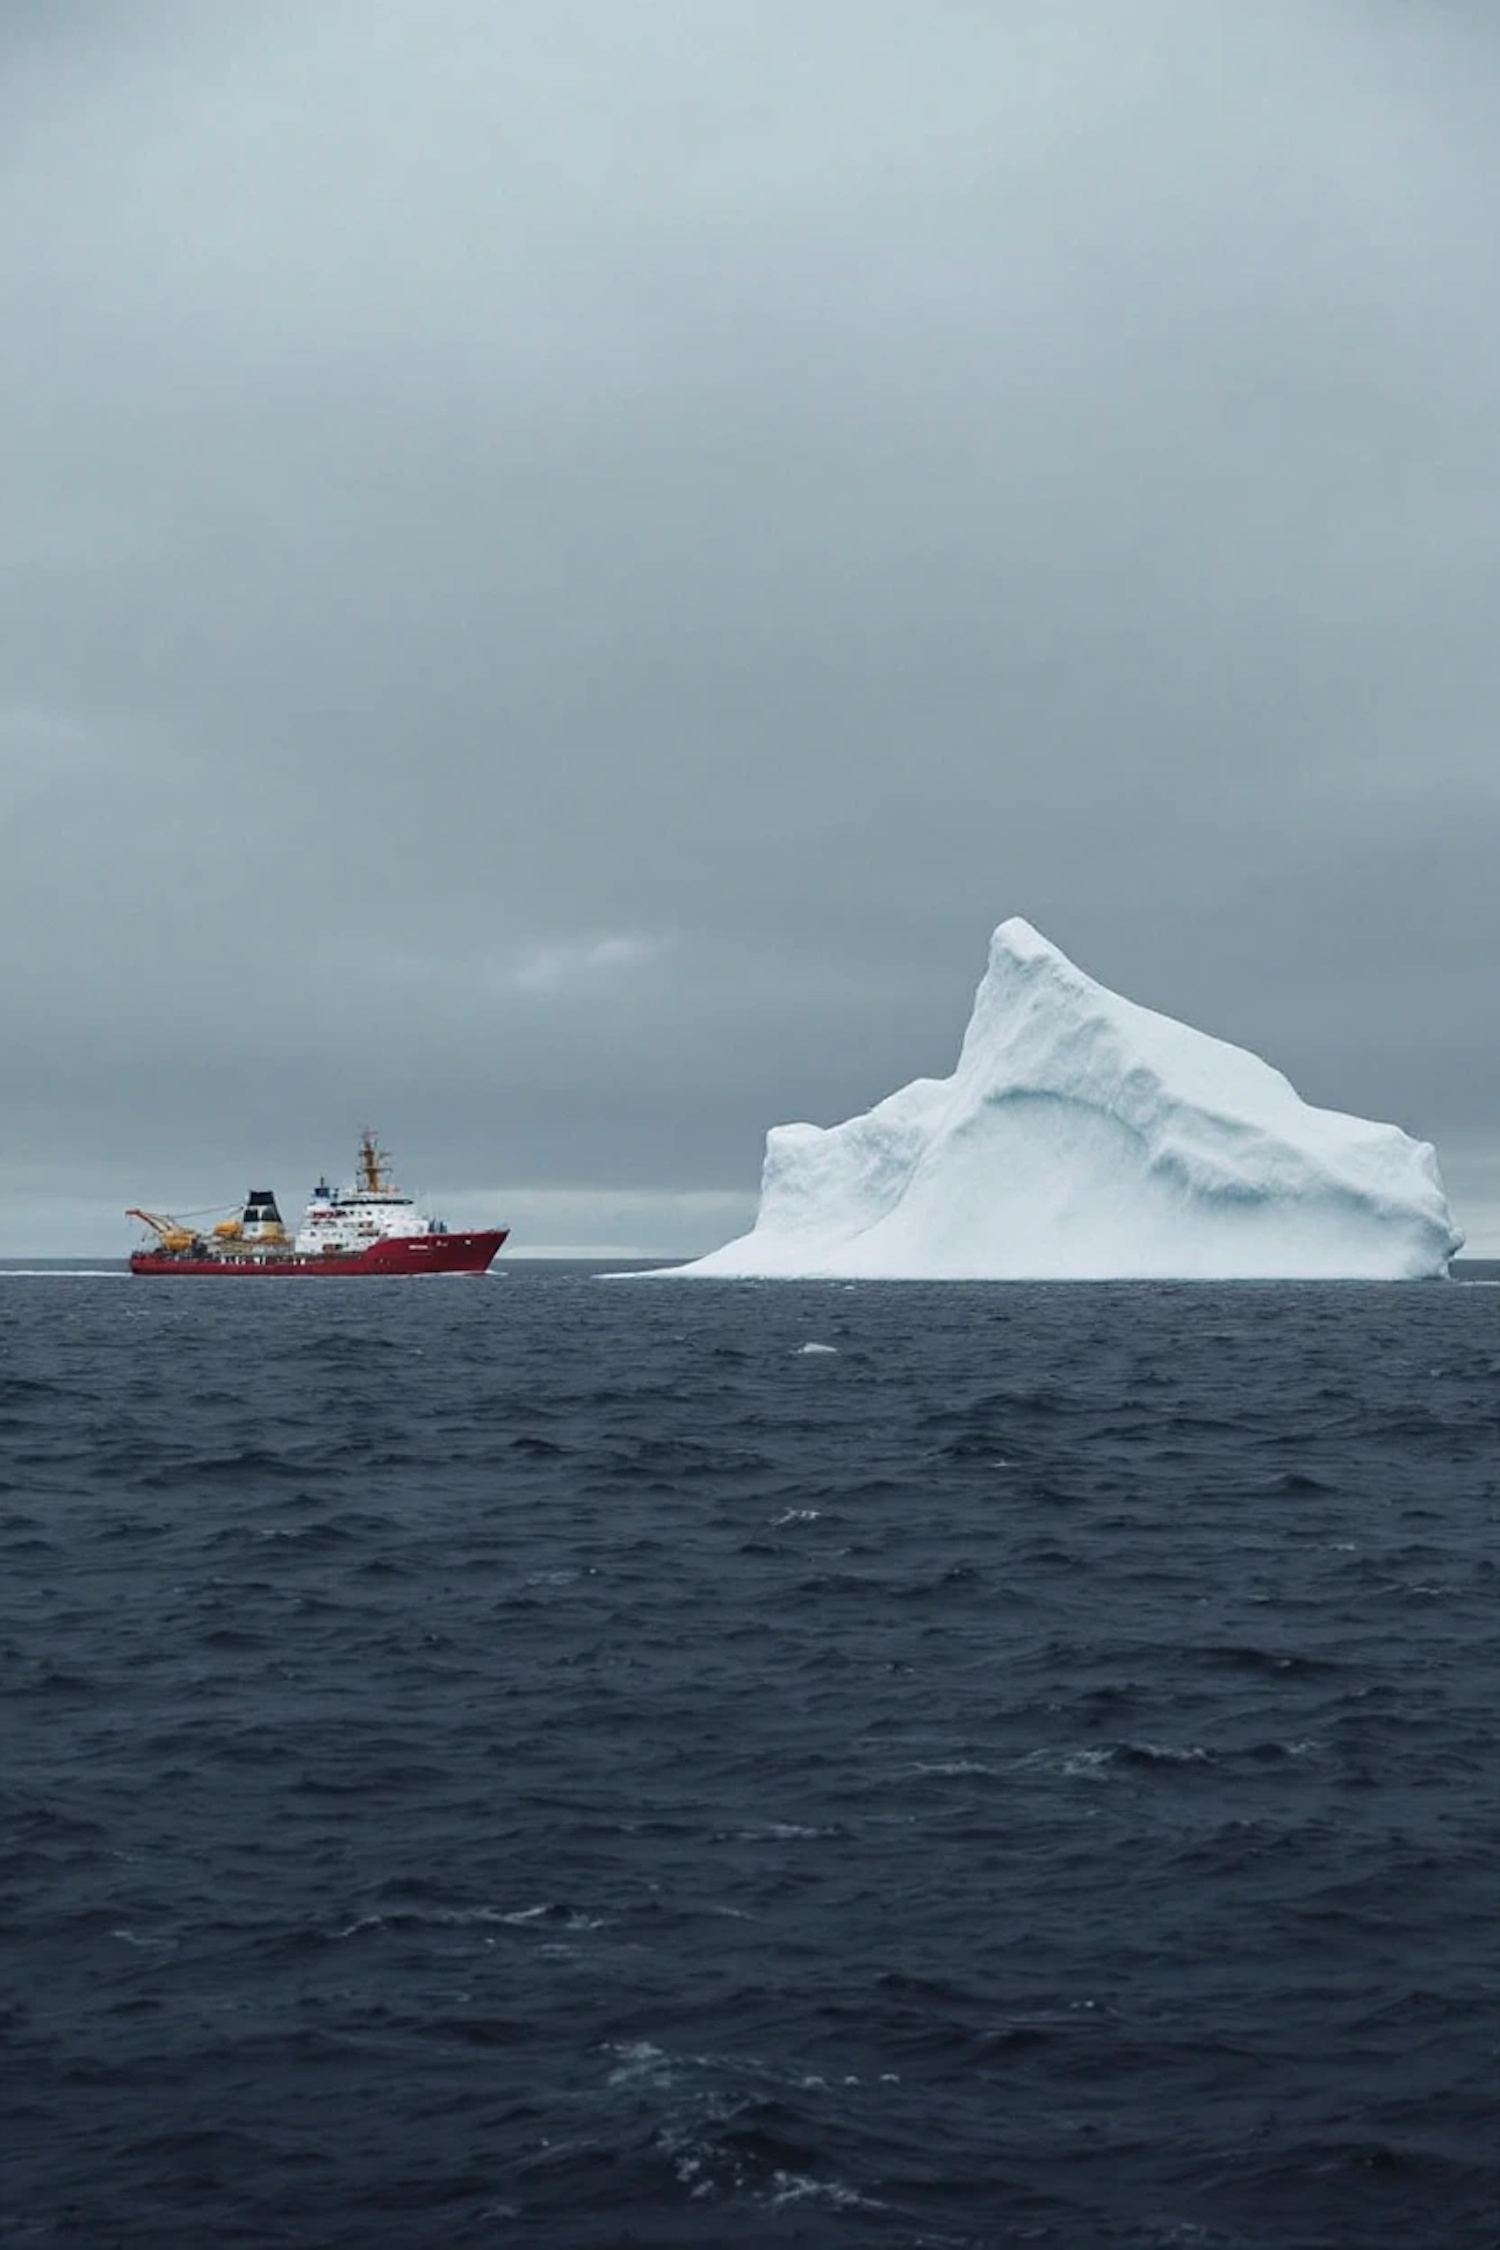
396,1255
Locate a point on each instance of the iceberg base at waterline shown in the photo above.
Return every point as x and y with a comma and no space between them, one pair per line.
1084,1138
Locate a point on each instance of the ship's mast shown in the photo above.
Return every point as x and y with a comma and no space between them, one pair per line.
372,1176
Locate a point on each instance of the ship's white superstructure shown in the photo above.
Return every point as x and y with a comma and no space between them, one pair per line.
372,1210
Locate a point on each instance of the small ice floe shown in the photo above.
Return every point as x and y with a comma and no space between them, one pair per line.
639,2063
818,1351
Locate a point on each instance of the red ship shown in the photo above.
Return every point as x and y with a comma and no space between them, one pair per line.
371,1228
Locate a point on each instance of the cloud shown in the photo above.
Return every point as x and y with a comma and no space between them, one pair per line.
549,968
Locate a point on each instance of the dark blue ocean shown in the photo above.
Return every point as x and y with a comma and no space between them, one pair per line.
545,1761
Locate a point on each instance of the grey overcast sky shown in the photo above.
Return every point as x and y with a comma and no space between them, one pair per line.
565,561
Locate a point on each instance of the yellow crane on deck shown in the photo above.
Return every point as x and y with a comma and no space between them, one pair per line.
176,1234
171,1233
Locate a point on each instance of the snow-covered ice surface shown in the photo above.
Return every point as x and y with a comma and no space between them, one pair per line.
1084,1138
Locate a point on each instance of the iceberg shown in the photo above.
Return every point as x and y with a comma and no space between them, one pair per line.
1082,1137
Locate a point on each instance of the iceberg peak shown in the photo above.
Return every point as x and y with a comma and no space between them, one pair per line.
1084,1137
